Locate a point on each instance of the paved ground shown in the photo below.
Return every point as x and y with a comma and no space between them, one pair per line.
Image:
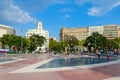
99,73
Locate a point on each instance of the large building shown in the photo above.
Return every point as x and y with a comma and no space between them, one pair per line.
109,31
112,31
79,33
98,29
6,30
40,32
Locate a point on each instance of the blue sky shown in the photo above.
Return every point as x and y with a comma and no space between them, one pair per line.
24,14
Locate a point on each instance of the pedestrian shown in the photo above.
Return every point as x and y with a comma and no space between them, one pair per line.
98,55
108,56
97,52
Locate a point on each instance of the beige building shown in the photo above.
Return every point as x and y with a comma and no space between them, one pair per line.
6,30
111,31
119,31
79,33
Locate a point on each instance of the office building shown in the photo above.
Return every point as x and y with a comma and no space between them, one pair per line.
109,31
79,33
98,29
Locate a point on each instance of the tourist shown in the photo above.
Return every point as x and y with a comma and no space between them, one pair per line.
98,54
115,52
108,56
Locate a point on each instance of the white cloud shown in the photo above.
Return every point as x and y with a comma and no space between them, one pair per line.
12,13
94,11
39,5
100,7
66,17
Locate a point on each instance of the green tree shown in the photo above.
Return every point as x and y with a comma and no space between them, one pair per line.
14,40
63,45
5,40
72,41
36,41
118,41
112,44
81,43
53,45
96,41
25,44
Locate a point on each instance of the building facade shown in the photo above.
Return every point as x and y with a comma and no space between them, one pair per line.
109,31
40,32
98,29
79,33
6,30
112,31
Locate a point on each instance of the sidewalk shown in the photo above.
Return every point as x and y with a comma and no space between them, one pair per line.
110,72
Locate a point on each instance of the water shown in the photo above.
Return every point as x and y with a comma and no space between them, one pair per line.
6,59
66,62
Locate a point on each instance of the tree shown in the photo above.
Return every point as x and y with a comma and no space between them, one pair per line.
13,40
112,44
53,45
36,41
96,41
63,45
118,41
72,41
5,40
25,44
81,43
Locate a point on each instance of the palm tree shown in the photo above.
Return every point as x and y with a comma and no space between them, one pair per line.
112,44
72,41
96,41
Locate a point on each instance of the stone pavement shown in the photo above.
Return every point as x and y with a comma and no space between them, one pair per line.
110,72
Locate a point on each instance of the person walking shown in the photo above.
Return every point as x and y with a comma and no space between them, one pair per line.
108,57
98,54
